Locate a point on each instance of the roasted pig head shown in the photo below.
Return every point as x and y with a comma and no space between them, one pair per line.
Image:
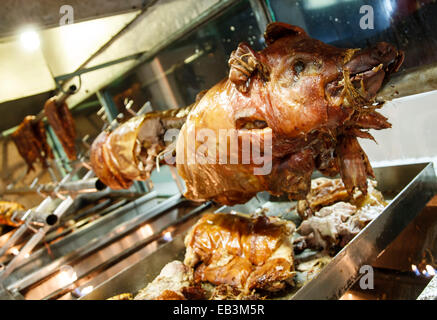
300,102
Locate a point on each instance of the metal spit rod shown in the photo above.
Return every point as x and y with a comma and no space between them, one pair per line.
35,239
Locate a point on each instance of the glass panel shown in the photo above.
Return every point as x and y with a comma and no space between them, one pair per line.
194,63
410,25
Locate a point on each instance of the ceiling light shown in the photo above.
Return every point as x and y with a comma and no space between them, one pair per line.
29,40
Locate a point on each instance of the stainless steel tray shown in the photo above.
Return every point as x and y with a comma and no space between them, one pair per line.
407,187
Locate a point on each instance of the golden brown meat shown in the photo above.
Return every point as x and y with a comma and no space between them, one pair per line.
129,152
62,123
31,142
310,99
241,252
324,191
7,209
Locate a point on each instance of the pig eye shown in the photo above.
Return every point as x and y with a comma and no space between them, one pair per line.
298,67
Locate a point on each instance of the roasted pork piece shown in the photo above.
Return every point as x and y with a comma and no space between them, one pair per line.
332,222
31,142
7,209
62,123
175,282
311,99
129,152
123,296
241,252
325,191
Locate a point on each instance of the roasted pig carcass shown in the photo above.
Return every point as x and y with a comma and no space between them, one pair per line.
7,209
61,120
31,142
339,219
129,152
175,282
241,252
300,102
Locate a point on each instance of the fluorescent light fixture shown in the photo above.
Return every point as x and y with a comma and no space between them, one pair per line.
29,39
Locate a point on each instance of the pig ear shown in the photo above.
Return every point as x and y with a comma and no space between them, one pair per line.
277,30
243,63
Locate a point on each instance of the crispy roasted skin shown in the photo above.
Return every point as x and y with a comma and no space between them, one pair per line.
123,296
313,98
31,142
129,152
7,209
62,122
241,252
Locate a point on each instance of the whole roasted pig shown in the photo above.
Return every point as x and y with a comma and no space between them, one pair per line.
302,102
129,152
